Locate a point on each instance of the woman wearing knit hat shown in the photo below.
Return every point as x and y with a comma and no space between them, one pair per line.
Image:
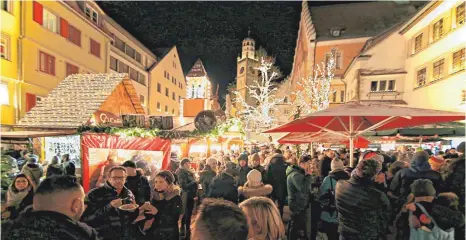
326,197
164,210
254,186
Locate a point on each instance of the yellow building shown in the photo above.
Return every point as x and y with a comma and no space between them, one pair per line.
436,57
54,39
167,84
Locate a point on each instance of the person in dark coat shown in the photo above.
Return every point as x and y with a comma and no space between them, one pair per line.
276,176
54,168
68,165
299,189
420,168
19,196
363,210
137,183
33,170
206,175
243,169
455,180
256,164
102,211
58,205
164,210
189,188
325,164
224,185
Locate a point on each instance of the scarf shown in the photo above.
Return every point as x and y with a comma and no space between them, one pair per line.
13,198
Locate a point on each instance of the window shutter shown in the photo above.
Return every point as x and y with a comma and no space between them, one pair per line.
64,30
37,7
30,101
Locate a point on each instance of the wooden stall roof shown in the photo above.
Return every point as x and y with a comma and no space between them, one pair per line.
34,134
75,99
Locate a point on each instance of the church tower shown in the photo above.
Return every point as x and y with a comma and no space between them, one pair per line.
246,73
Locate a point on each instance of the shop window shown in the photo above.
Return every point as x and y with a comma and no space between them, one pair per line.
458,60
460,14
438,29
421,77
438,69
5,46
46,63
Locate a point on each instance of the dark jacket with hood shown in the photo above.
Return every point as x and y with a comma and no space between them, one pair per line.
276,176
55,169
455,181
224,186
325,166
328,184
110,223
420,168
299,189
165,222
34,171
363,210
140,187
46,225
243,173
205,179
187,182
70,168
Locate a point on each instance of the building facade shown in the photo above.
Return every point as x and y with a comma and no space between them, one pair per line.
246,73
198,91
435,57
167,84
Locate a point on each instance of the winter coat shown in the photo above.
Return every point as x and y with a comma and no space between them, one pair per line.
187,182
329,183
261,191
54,169
18,201
70,168
243,173
34,171
276,176
299,189
205,179
46,225
455,181
325,167
110,223
363,210
223,186
140,187
165,222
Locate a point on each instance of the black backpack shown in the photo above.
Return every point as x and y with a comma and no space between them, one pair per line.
327,200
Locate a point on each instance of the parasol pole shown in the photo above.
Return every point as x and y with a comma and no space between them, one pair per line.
351,142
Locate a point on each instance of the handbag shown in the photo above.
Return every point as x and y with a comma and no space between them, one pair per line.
327,200
436,232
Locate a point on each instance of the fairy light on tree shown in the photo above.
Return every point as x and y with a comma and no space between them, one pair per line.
260,116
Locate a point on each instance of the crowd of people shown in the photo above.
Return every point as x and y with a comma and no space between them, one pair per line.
264,194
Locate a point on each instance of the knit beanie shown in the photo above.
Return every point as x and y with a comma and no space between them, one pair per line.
423,188
337,164
211,161
366,169
243,157
254,177
167,175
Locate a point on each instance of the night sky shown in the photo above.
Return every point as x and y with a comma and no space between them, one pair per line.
213,31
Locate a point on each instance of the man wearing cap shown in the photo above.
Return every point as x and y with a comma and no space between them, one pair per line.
136,183
224,184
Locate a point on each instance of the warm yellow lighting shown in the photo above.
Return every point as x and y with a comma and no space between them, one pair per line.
198,148
4,95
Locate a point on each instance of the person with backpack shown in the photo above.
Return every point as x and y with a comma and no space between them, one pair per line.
329,216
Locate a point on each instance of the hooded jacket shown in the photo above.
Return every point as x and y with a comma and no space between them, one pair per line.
187,182
140,187
332,178
46,225
299,188
70,168
276,176
165,222
223,186
260,191
243,173
54,169
205,179
34,171
363,210
110,223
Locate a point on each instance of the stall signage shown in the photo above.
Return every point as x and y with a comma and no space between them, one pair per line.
374,145
338,146
106,117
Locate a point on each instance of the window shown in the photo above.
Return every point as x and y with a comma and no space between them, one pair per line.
165,74
285,100
179,98
122,68
458,60
141,98
133,74
166,92
166,109
382,85
342,96
142,79
5,96
7,5
421,77
337,57
460,14
74,35
181,85
286,112
418,43
374,86
334,96
173,79
5,46
168,75
46,63
391,85
95,48
158,106
463,96
438,69
438,29
174,64
173,96
159,88
138,57
130,51
173,111
113,63
71,69
49,21
31,101
92,14
119,44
